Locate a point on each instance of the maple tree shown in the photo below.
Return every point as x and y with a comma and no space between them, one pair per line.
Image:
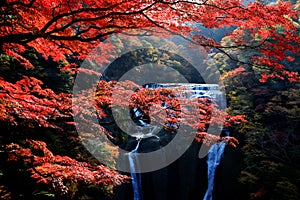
162,105
67,31
59,171
60,28
270,137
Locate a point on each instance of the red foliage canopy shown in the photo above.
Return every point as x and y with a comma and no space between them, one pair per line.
59,171
60,28
27,103
63,27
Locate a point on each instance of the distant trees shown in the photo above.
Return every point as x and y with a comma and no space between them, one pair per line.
270,137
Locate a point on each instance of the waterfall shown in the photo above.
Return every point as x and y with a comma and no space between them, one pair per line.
213,160
136,178
145,129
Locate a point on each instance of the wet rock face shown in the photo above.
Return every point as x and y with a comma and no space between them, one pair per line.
186,178
149,143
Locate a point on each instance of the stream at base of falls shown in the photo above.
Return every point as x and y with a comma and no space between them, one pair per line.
136,177
214,156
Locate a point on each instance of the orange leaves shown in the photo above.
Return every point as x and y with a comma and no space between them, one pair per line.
56,171
17,153
14,50
264,33
51,50
70,67
234,72
277,70
265,77
28,103
230,141
236,119
272,32
292,76
290,58
284,74
209,139
60,27
168,107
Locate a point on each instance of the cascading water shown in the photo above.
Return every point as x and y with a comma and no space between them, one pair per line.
213,160
142,131
145,130
136,178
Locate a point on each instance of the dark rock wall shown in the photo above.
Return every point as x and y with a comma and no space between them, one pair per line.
186,178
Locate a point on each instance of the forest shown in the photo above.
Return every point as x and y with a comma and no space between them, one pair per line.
150,99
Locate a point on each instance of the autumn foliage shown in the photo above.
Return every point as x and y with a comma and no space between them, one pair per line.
65,31
60,172
59,29
171,107
27,103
